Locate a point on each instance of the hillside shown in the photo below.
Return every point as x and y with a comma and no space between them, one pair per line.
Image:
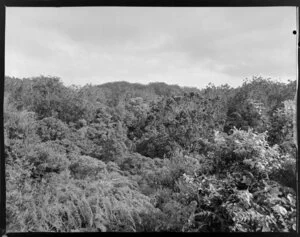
130,157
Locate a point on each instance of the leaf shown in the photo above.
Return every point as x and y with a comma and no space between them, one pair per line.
275,192
100,226
266,229
279,209
291,199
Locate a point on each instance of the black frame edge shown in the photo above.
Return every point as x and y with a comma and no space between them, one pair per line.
297,130
2,155
166,3
163,3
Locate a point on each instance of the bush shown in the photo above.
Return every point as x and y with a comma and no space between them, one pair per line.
286,174
20,125
245,149
51,129
85,166
149,162
97,200
157,146
46,160
222,206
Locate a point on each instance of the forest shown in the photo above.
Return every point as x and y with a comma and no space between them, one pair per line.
128,157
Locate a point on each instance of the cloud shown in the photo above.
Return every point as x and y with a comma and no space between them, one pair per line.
250,41
179,45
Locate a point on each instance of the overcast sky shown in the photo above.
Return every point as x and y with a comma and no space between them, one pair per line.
184,46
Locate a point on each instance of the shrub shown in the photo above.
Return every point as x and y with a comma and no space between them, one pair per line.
51,129
245,149
46,160
20,125
85,166
221,206
160,146
106,201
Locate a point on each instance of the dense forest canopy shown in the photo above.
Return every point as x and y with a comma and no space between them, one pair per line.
157,157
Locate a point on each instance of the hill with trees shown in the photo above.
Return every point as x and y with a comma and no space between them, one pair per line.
131,157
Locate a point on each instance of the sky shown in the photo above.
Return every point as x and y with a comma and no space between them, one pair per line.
185,46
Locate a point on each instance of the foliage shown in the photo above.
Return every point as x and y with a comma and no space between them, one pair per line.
222,206
280,128
93,196
51,129
157,157
242,197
